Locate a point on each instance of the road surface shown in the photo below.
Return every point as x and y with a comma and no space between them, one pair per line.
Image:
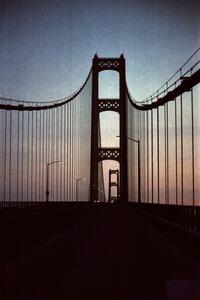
115,253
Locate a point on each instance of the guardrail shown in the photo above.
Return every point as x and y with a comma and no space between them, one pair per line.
184,215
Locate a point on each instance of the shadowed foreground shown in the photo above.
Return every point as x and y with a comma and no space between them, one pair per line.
114,253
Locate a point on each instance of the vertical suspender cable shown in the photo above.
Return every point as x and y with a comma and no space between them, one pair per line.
22,177
71,151
79,143
152,160
41,155
5,154
147,156
46,152
44,114
74,146
144,157
10,157
70,155
36,155
55,166
167,152
40,149
52,154
57,149
68,152
32,139
72,142
46,147
50,150
158,154
181,104
17,156
27,182
138,149
60,157
176,150
77,118
64,154
58,154
50,143
181,111
61,153
47,141
192,119
165,130
75,139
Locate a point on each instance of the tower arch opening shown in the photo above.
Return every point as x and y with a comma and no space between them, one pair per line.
108,84
109,128
103,186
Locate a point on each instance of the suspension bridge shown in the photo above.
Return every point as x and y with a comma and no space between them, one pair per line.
62,236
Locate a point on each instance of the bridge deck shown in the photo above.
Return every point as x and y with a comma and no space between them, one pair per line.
115,253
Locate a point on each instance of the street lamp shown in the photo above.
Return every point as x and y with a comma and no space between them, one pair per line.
47,184
139,165
77,181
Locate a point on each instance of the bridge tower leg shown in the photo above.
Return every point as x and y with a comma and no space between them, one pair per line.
97,152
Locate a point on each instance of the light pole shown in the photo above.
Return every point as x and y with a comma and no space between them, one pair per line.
77,181
139,165
47,178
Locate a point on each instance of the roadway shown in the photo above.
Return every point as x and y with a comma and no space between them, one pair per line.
114,253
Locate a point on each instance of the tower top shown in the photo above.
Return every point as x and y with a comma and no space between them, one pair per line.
108,63
112,57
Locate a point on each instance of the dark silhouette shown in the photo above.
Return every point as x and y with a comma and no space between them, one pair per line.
141,246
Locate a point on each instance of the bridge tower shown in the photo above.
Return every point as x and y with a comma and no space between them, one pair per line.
114,184
98,105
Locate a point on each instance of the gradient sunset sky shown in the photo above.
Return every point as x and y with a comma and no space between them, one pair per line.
47,46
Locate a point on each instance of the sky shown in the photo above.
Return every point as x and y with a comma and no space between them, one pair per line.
47,46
